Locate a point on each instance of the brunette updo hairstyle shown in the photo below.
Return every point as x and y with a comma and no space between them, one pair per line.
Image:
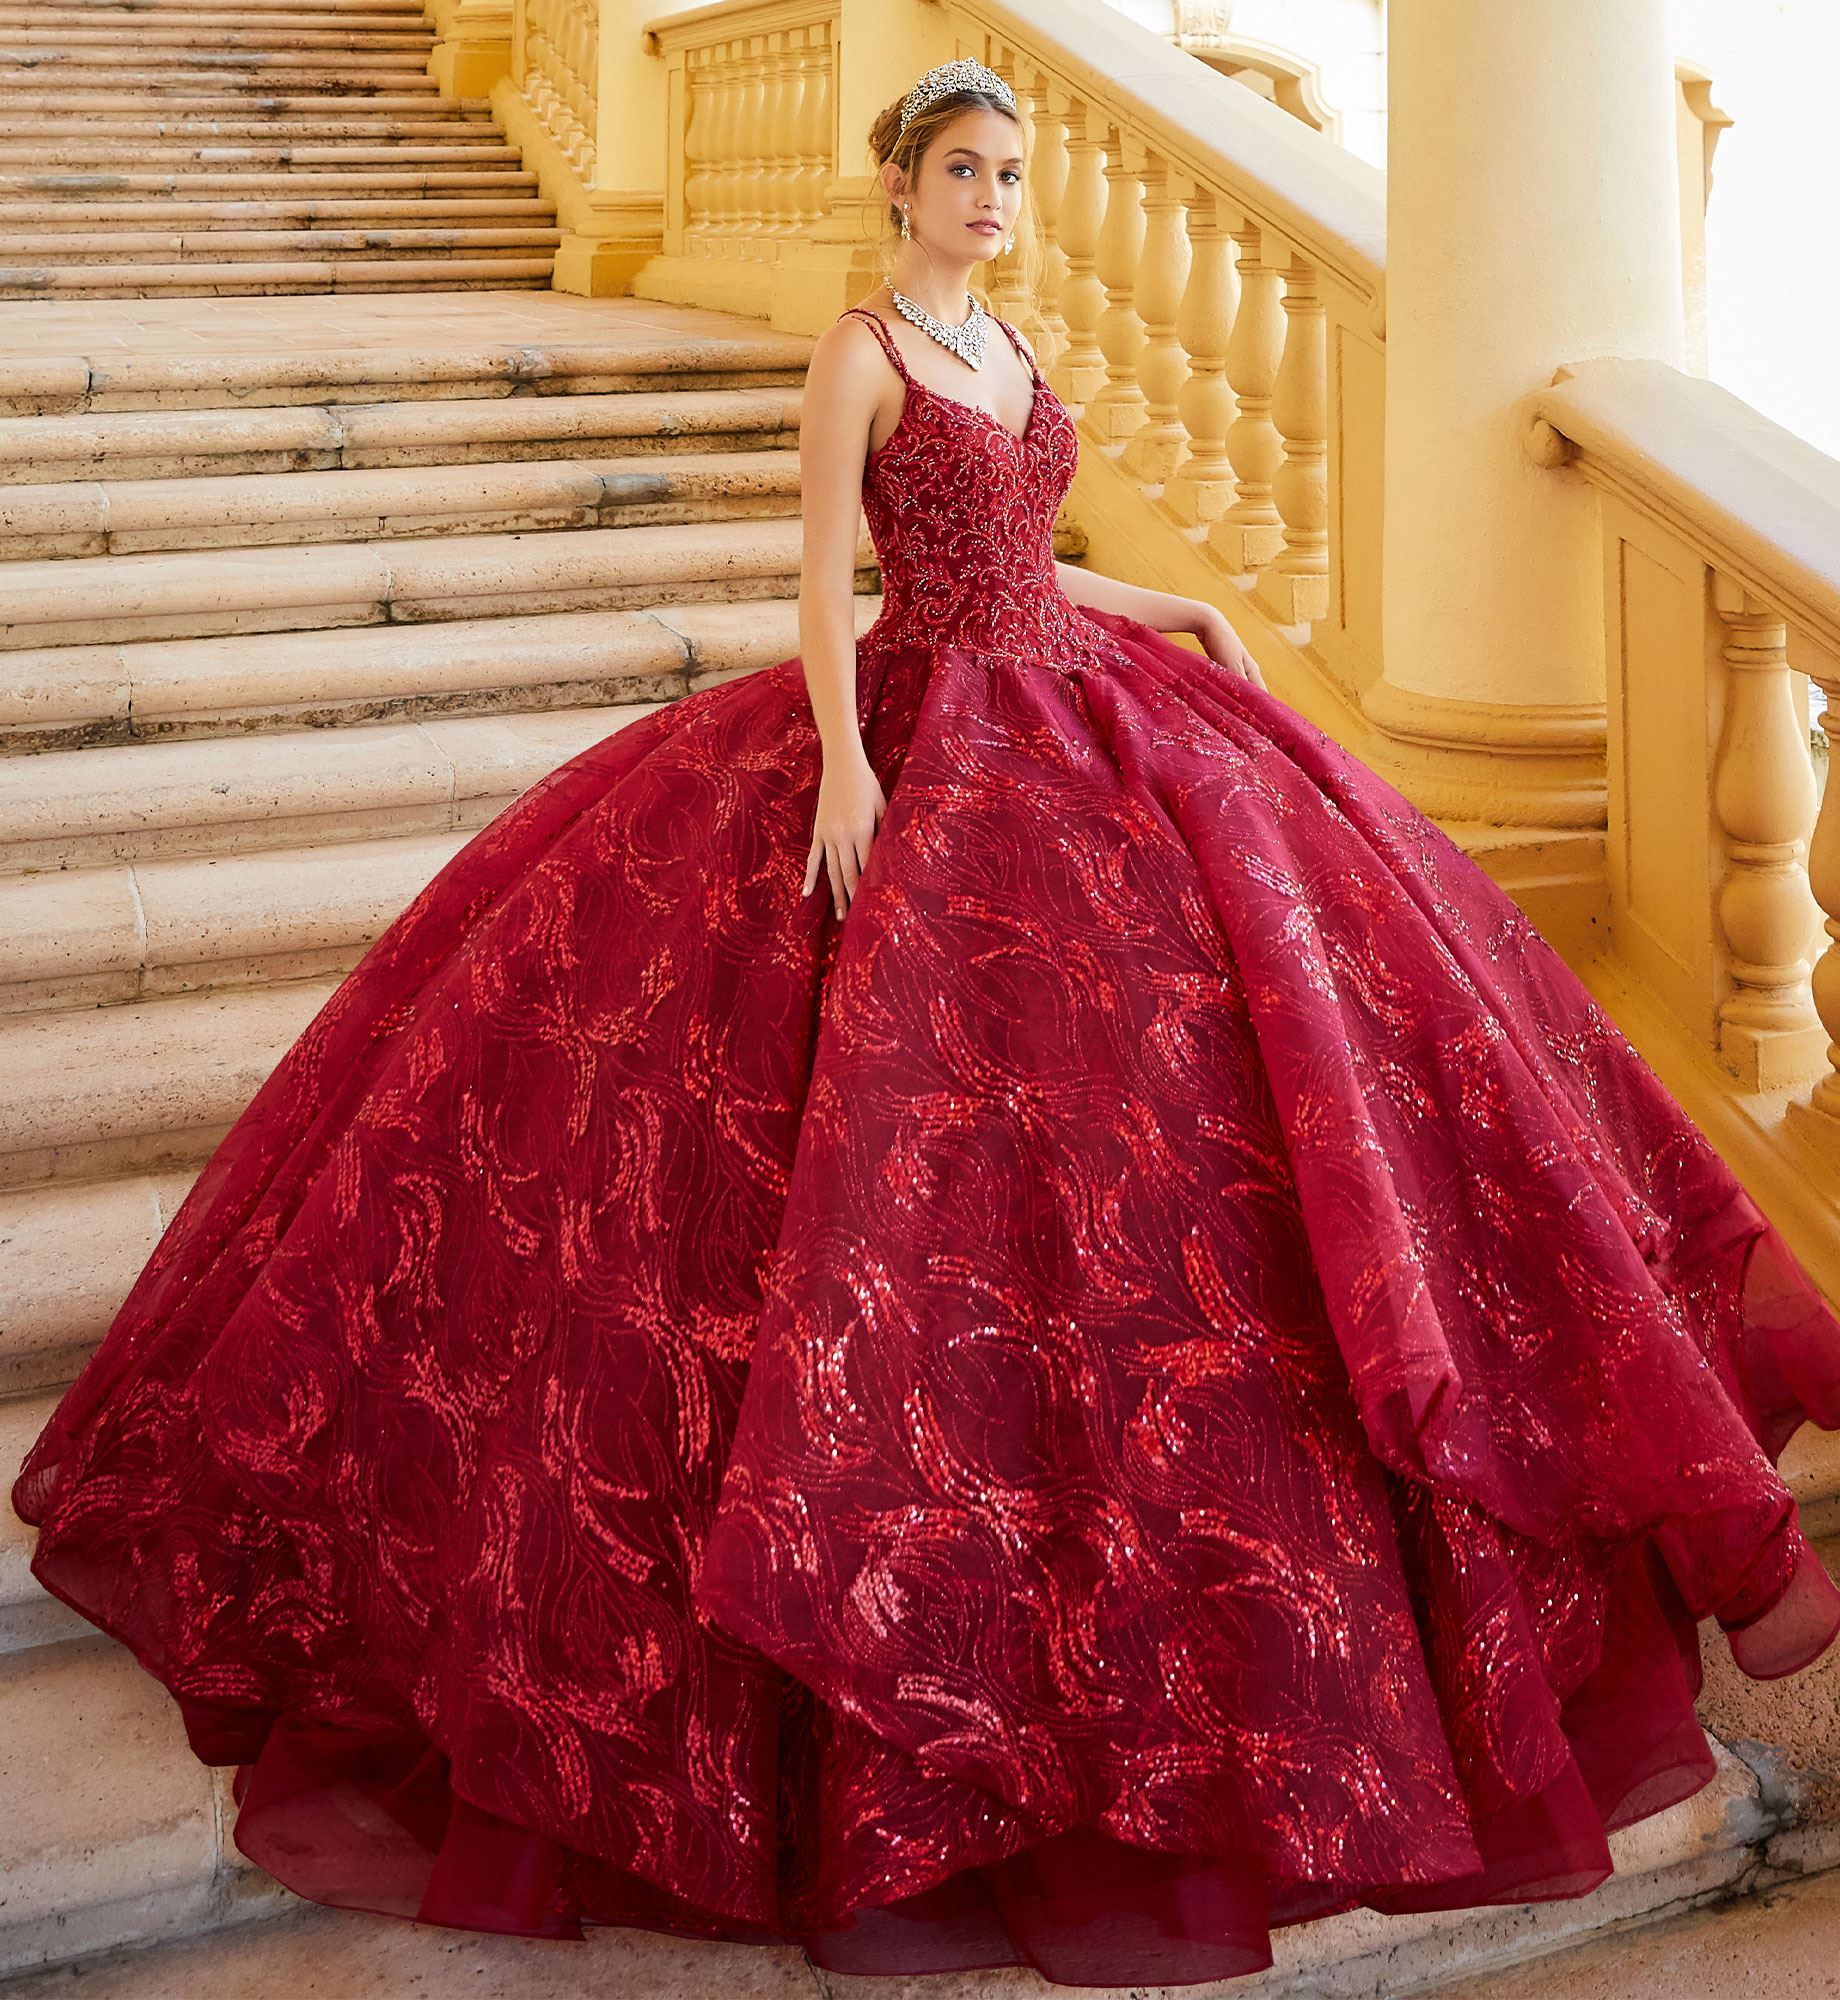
888,142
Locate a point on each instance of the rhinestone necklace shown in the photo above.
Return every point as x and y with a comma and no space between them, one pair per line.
966,341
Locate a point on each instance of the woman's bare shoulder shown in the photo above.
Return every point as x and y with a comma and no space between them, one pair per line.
849,343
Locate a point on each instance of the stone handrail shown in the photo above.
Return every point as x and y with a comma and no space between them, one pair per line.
1721,550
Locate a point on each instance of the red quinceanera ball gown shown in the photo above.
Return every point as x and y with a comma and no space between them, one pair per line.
1169,1375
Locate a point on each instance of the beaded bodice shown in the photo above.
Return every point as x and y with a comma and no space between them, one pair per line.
961,509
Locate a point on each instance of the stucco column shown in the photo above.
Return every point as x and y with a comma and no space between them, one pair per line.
1533,219
615,223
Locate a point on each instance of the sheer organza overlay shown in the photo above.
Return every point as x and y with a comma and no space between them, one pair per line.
1169,1375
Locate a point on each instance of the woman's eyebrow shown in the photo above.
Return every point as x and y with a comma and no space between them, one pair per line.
971,153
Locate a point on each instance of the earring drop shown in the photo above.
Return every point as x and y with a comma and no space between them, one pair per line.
906,227
1009,245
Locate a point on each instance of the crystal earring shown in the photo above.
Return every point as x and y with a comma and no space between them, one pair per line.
906,227
1009,246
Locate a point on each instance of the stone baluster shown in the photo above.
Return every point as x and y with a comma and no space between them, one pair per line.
699,174
725,179
814,130
1047,191
1251,532
1763,795
1819,1118
1294,585
1117,411
752,167
1201,488
778,125
1160,443
1080,369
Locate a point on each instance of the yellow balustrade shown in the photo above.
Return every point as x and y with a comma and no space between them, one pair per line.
750,148
1198,273
1194,277
1721,592
1204,280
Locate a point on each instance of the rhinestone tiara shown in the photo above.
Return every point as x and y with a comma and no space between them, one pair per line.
964,74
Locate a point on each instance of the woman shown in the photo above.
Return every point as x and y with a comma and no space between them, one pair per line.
1128,1362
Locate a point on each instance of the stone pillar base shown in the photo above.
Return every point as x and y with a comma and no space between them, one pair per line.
472,46
1503,763
801,288
600,263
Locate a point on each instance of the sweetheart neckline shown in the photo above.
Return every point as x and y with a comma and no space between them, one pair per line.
912,382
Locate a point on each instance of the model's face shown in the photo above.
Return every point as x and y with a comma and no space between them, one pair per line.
967,190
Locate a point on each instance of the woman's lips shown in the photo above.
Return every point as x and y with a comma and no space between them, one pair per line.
989,228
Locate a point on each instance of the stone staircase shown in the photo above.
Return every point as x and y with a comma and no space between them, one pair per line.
294,595
282,625
181,147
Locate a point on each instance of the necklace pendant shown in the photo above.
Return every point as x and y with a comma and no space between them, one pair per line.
966,341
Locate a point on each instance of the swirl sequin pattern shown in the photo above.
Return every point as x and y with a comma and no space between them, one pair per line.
1170,1374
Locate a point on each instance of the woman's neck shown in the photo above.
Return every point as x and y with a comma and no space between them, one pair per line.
939,287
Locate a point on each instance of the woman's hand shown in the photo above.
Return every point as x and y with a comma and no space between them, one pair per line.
850,808
1222,644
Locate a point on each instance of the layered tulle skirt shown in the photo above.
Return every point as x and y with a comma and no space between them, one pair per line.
1168,1375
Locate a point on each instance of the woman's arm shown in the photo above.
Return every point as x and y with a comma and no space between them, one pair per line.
1155,608
847,378
1162,613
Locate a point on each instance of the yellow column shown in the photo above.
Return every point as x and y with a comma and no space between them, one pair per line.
1532,220
472,47
617,223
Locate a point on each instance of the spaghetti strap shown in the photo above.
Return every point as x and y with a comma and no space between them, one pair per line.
882,334
1022,353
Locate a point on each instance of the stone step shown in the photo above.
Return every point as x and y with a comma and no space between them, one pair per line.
178,98
357,184
223,921
230,79
237,165
394,503
69,1254
131,1089
217,390
45,55
279,279
112,1831
156,801
24,35
390,211
99,600
75,697
1778,1936
134,119
600,416
164,24
29,1615
100,251
130,13
68,1709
